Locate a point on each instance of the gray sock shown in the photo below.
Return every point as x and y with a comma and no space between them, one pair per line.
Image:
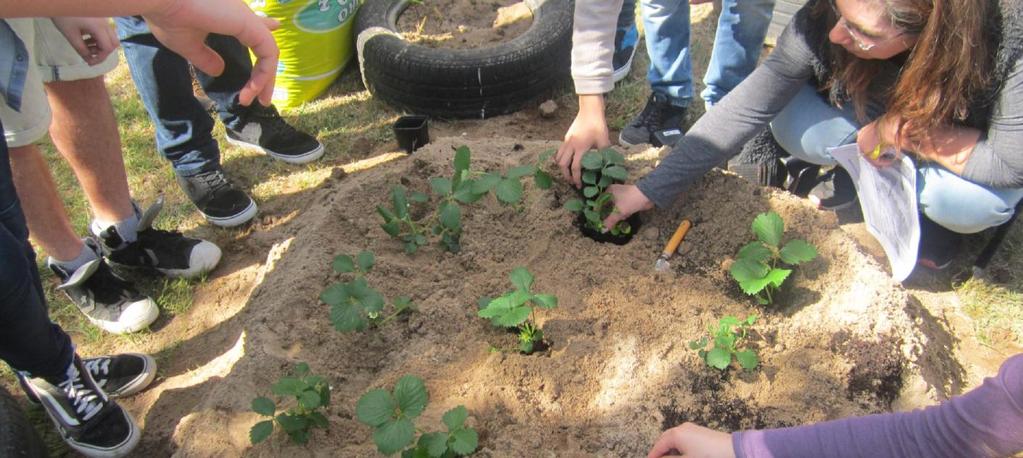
87,254
127,229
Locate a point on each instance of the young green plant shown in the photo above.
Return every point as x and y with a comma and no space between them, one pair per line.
310,394
391,415
464,187
727,337
354,305
515,309
600,169
756,265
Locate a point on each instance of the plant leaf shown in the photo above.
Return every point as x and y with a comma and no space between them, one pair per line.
375,408
719,358
574,205
466,441
309,400
366,261
754,251
521,278
590,191
616,172
589,177
318,420
466,195
260,431
769,227
728,321
543,180
611,156
343,264
392,228
291,423
394,435
402,303
698,344
287,386
455,418
440,185
411,395
334,294
264,406
399,201
485,183
420,197
523,170
592,160
509,191
751,319
348,317
302,369
299,436
747,269
451,216
747,359
797,252
754,285
462,156
547,301
777,276
434,443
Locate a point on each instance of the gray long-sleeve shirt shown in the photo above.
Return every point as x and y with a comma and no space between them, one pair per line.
985,422
997,160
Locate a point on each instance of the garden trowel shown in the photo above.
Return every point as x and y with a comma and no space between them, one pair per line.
662,261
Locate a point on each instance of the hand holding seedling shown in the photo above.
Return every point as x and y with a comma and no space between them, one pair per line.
627,199
692,440
601,171
588,131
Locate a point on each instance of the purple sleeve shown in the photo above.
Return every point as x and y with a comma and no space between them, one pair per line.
986,421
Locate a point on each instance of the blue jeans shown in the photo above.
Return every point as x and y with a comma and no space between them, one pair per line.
809,125
29,341
742,27
184,131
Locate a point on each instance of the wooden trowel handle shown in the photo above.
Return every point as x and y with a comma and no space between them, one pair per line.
676,238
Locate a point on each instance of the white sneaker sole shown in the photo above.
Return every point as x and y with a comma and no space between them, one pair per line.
204,258
624,70
236,220
138,316
306,158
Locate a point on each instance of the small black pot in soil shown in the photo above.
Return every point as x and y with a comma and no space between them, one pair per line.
608,237
412,132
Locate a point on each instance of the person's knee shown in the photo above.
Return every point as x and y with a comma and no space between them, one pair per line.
965,213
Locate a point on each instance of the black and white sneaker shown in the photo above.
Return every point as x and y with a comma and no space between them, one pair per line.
169,252
217,199
835,190
264,130
658,115
89,421
107,300
626,39
118,375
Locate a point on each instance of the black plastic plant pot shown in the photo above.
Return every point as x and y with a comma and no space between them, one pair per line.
412,132
608,237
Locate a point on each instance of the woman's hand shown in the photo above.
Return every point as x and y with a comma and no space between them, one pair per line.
693,441
588,131
877,143
92,38
628,199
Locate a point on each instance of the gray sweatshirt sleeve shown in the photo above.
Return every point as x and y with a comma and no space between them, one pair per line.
724,129
997,160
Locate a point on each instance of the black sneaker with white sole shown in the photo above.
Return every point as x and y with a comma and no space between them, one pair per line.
658,115
835,190
264,130
87,419
107,300
169,252
118,375
216,197
626,39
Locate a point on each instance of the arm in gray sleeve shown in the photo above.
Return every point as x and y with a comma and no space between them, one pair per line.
985,422
724,129
997,160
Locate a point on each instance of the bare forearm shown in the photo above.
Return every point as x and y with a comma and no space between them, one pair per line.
949,146
91,8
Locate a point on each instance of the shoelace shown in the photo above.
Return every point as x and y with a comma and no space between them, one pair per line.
214,180
87,403
99,368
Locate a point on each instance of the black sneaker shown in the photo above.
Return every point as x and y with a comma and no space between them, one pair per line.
835,191
108,301
938,246
658,115
217,199
626,38
264,130
118,375
86,418
169,252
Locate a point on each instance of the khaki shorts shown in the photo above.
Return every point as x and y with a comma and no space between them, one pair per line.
54,60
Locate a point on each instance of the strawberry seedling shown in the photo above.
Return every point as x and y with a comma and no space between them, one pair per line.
464,187
515,309
311,394
756,265
391,414
354,305
727,337
601,169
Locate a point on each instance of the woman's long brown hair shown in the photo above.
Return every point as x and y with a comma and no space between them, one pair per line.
944,73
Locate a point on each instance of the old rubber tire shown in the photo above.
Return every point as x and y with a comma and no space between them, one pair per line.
464,83
17,437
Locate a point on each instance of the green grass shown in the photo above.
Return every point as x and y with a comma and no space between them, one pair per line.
996,310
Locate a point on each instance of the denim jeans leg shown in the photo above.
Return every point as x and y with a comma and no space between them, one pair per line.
184,131
224,89
738,42
29,341
809,125
961,205
627,18
666,24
